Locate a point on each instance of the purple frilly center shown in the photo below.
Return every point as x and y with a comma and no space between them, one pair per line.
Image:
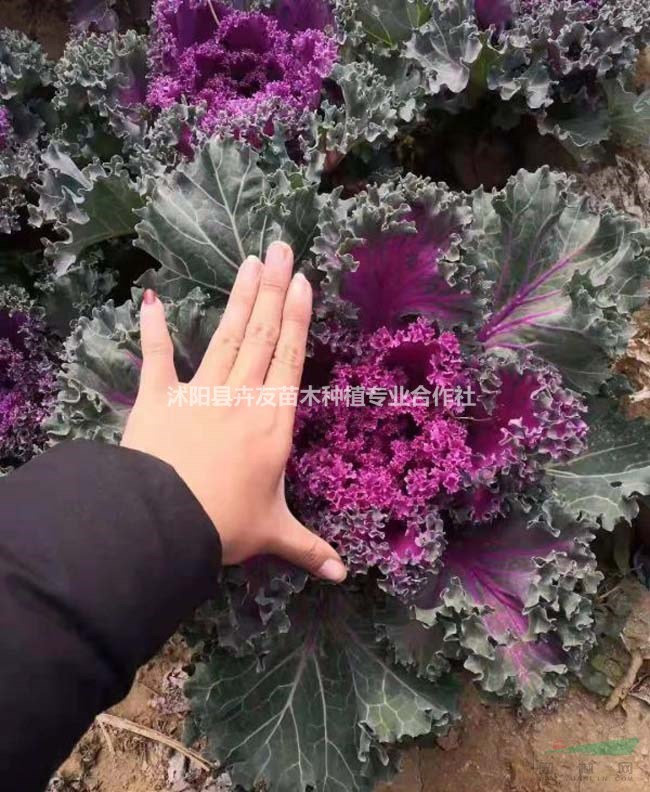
249,71
380,477
5,126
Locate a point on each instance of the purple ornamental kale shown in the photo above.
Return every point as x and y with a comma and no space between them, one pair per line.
247,69
295,15
28,381
5,127
494,12
385,481
390,479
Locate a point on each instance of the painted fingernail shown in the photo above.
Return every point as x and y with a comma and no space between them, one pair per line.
333,570
149,297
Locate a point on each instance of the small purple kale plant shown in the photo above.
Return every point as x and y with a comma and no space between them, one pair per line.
5,126
246,66
28,378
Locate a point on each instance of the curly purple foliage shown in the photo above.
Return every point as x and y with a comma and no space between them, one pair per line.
5,126
28,381
383,480
247,69
494,12
295,15
412,261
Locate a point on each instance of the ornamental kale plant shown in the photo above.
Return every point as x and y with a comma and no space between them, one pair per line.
5,127
506,68
466,443
466,526
28,363
249,68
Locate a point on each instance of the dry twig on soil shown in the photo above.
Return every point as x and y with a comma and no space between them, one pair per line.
150,734
626,684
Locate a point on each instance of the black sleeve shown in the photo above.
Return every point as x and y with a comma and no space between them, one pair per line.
103,552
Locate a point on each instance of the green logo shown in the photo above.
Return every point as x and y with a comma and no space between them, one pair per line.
607,748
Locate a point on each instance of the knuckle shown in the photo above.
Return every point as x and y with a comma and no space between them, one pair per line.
274,287
265,333
312,555
288,354
297,316
229,343
158,349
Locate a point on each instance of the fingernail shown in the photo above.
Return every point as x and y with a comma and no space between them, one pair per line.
149,297
283,250
299,282
250,268
333,570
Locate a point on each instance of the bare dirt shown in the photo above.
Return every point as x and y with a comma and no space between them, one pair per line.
43,20
493,748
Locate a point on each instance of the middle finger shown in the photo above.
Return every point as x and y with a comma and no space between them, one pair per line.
263,329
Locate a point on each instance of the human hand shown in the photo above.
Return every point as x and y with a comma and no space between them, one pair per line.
233,457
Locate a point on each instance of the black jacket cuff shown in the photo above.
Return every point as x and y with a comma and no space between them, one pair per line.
103,552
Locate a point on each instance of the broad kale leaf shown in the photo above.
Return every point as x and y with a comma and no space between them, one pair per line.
102,363
515,596
564,278
604,480
312,712
210,214
87,207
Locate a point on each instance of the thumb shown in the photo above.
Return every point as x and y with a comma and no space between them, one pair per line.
158,370
301,547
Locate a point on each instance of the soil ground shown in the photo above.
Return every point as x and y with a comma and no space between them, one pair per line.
493,748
